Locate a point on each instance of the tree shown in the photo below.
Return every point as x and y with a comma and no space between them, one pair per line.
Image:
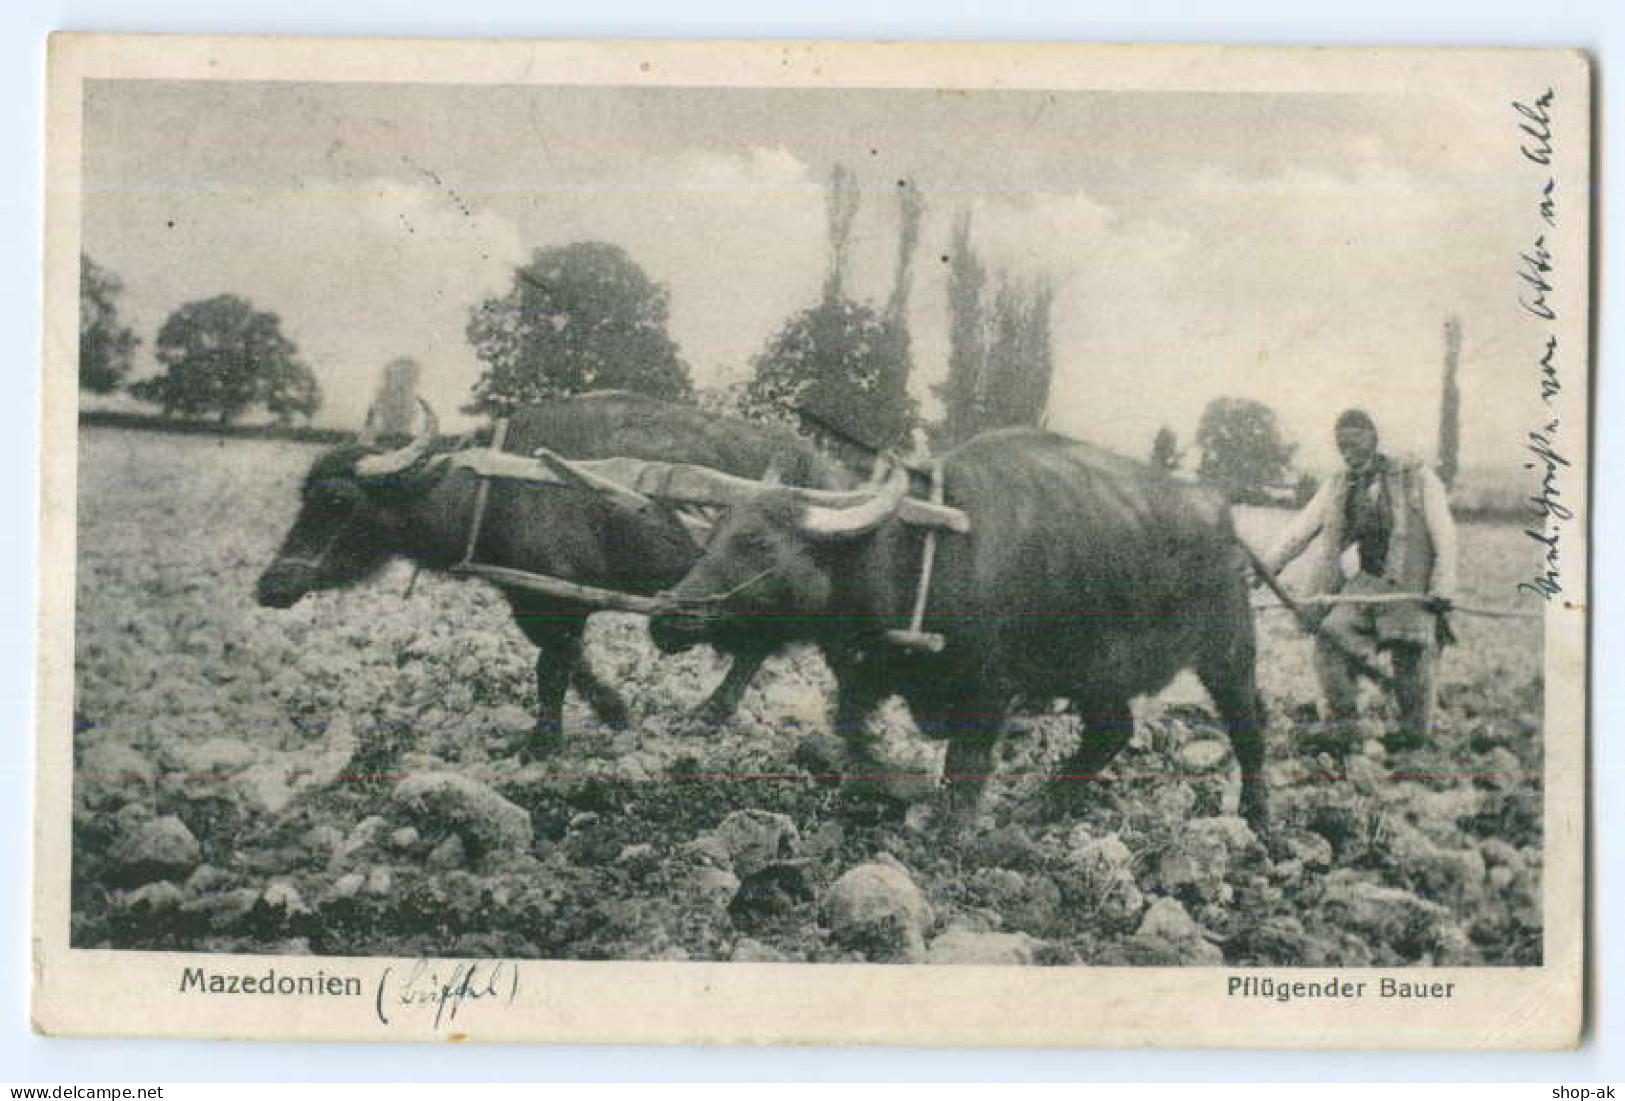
825,361
840,362
895,351
841,209
1000,355
290,391
1450,405
580,317
1243,450
220,356
1165,452
1014,388
967,342
106,347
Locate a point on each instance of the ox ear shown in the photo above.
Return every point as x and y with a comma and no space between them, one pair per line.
393,462
821,522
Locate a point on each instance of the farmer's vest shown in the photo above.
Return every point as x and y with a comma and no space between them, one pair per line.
1408,566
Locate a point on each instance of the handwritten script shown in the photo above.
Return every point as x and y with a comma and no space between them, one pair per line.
1537,284
444,988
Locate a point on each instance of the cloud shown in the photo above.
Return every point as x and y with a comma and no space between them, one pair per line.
737,238
359,274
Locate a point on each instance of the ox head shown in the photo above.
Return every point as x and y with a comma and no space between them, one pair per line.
768,570
346,529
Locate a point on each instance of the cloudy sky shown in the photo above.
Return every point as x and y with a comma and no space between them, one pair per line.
1304,250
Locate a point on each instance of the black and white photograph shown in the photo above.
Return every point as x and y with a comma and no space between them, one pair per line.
1097,522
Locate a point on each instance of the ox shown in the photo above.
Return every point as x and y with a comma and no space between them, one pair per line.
362,506
1083,576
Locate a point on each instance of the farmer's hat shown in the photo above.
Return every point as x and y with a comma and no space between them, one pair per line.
1355,418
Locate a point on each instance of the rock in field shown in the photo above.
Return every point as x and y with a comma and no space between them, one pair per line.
448,855
153,898
348,885
1203,757
1167,937
756,838
1411,928
962,946
1103,875
160,848
715,884
109,775
1167,919
877,908
484,820
769,895
284,896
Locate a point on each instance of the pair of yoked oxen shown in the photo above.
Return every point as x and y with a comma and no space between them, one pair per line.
1083,575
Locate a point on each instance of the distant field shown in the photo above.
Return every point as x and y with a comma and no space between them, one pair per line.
278,738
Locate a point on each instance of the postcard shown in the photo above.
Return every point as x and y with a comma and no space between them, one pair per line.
706,542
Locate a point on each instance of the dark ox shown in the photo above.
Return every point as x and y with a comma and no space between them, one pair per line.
1084,576
362,506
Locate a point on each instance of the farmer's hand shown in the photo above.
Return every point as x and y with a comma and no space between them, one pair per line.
1440,605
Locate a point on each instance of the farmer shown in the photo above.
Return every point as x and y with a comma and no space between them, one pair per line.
1394,512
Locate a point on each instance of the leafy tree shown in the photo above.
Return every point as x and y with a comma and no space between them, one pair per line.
290,391
1165,453
580,317
106,347
840,362
1243,450
825,361
1450,405
220,356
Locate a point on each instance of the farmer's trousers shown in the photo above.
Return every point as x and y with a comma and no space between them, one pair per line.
1406,632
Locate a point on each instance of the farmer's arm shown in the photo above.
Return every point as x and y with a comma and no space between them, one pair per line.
1303,529
1442,530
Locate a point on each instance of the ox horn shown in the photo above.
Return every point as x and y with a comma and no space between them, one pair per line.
393,462
822,522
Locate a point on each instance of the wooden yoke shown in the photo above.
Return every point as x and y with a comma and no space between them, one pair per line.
482,496
913,638
641,484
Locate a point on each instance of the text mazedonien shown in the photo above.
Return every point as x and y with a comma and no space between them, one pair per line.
197,980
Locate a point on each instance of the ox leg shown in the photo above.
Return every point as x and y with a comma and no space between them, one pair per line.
557,653
556,633
971,721
724,700
1235,694
867,787
1108,725
607,703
